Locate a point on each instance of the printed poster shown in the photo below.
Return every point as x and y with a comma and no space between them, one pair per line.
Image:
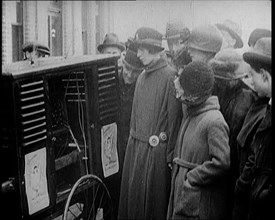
36,180
109,154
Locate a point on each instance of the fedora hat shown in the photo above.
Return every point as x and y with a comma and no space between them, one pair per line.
35,45
111,40
148,38
205,38
131,60
261,53
234,30
257,34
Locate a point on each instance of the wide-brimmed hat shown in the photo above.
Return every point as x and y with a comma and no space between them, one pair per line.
176,29
234,30
35,45
205,38
131,60
257,34
111,40
261,53
148,38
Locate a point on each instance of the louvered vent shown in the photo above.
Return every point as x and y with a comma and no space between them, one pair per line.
33,112
107,92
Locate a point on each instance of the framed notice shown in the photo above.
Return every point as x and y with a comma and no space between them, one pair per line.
36,180
109,154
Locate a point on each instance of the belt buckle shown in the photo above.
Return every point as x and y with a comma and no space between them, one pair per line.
154,140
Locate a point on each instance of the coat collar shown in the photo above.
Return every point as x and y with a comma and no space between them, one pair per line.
212,103
159,64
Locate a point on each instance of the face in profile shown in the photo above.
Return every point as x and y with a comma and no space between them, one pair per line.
129,75
174,44
145,57
260,82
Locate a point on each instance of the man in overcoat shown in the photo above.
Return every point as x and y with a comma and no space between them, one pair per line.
255,181
155,120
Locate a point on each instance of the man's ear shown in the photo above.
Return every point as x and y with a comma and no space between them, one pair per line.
264,74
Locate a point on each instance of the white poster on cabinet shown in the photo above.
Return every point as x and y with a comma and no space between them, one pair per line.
36,180
109,154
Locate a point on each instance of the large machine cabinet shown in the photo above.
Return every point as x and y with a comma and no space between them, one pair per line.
59,121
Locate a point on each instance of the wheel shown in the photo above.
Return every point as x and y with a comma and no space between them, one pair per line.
89,199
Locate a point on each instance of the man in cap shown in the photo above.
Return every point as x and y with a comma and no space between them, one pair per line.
34,49
155,121
231,33
204,42
176,35
112,45
202,153
254,185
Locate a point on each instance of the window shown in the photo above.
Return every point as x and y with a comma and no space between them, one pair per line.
55,28
17,33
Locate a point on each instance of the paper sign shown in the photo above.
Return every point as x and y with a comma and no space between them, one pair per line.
36,180
109,155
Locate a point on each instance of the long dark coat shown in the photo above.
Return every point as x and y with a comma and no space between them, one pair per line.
202,156
146,177
256,178
252,121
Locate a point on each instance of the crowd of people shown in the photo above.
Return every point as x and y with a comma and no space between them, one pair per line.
195,123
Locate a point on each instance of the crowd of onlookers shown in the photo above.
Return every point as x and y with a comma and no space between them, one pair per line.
195,123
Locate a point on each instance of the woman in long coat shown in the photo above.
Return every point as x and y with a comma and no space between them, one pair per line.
202,153
154,125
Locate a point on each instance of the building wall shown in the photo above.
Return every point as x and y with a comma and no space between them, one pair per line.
35,25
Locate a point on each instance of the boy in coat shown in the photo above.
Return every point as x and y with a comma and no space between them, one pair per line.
154,126
255,181
202,153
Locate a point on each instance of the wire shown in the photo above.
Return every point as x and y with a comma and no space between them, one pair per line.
80,113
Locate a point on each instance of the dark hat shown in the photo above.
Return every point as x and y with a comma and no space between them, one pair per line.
226,62
261,53
111,40
234,30
205,38
35,45
197,79
130,44
257,34
131,60
176,29
149,38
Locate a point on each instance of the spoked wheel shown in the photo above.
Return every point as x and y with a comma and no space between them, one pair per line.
89,199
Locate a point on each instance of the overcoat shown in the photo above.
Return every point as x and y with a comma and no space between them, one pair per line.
202,160
251,123
146,177
256,178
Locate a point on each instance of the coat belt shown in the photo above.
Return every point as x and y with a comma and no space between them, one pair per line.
153,139
140,137
184,163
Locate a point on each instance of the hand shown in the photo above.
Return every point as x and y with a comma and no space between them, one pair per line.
170,166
